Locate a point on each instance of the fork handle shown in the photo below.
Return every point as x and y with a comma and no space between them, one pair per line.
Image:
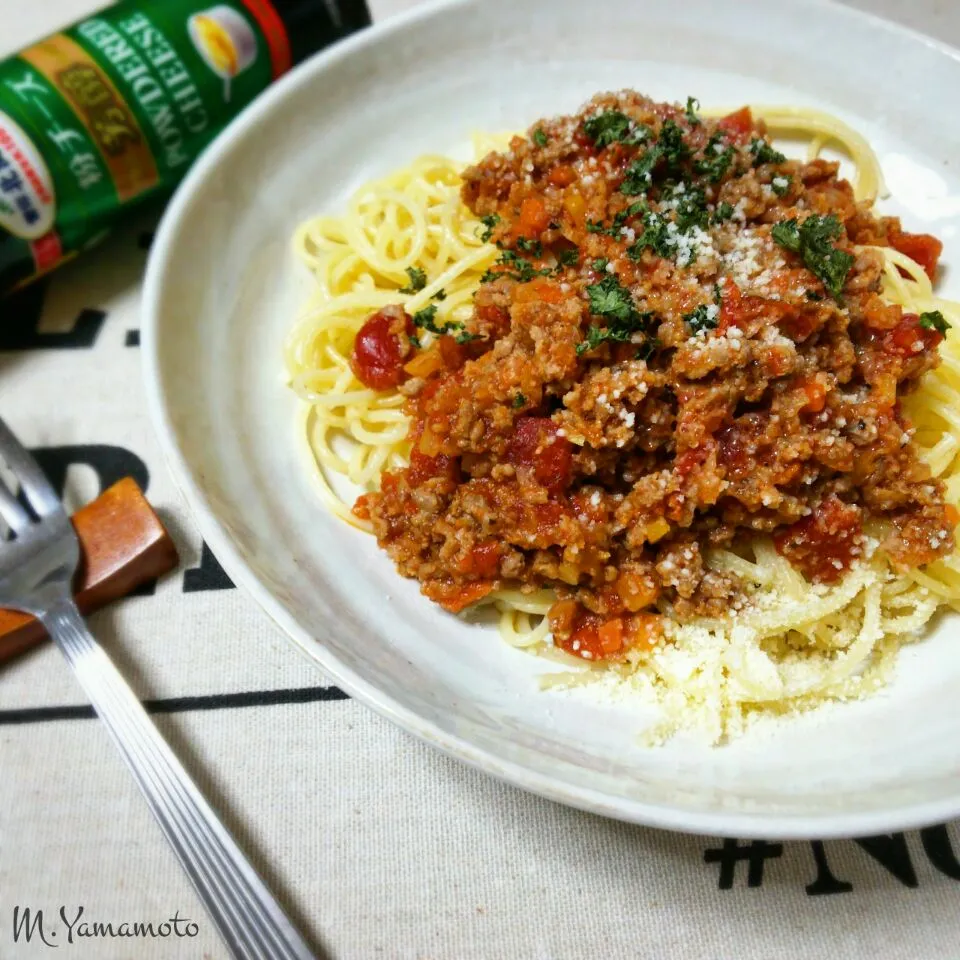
249,919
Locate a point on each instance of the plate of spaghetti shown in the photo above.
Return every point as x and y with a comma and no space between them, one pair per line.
592,414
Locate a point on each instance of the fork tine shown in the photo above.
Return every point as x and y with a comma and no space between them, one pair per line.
11,510
34,484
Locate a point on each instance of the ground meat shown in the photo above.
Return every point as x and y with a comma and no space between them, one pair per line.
652,371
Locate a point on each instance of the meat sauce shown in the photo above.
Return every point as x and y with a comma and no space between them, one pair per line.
667,375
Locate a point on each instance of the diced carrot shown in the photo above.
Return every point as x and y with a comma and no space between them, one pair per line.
610,634
952,514
562,176
816,392
534,218
425,362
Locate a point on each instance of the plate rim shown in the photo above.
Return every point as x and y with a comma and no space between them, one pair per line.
720,823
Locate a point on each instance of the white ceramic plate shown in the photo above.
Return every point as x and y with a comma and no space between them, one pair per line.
221,292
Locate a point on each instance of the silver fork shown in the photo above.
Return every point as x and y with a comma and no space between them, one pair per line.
36,569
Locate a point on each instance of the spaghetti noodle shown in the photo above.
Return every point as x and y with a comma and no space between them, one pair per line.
795,643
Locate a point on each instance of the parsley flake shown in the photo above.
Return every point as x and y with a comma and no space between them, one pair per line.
608,299
530,246
568,258
934,320
613,126
693,105
811,241
418,280
441,294
723,212
764,153
780,185
703,318
539,137
426,319
716,158
518,401
489,222
600,263
670,148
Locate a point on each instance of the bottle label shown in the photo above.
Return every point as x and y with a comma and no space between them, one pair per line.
114,110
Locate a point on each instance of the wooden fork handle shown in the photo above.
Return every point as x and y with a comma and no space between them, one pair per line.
123,544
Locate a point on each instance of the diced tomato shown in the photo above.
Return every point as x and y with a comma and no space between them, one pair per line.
455,597
425,467
534,218
377,359
361,508
921,247
562,175
497,317
540,289
482,560
823,545
908,338
692,458
535,443
738,124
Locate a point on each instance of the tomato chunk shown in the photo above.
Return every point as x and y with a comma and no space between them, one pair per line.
377,357
455,597
738,124
908,338
535,443
482,560
823,546
921,247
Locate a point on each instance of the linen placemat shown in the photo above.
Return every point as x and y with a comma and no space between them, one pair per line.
380,846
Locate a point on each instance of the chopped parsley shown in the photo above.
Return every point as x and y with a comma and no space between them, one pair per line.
693,105
691,208
414,340
934,320
426,319
723,212
600,263
811,241
518,401
648,349
715,163
613,126
489,222
568,258
703,318
441,294
813,295
780,185
418,280
520,268
656,233
764,153
608,299
539,137
530,246
596,226
669,148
